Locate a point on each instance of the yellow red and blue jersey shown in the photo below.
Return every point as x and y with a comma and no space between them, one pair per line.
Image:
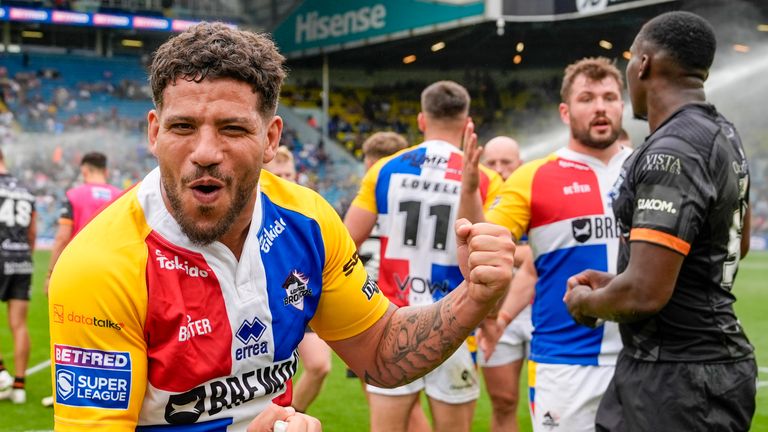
415,194
151,330
563,203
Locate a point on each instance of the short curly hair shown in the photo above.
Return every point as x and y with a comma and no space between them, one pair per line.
215,50
687,37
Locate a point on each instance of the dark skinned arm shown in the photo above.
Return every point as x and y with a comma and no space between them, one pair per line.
642,290
746,232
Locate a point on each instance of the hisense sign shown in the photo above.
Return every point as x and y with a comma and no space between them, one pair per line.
313,26
321,25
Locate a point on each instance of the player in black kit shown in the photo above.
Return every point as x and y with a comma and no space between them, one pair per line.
681,204
17,240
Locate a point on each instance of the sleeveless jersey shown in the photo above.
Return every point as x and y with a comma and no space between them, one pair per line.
84,201
150,329
415,194
17,208
563,203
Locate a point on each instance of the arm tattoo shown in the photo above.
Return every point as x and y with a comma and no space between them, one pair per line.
416,340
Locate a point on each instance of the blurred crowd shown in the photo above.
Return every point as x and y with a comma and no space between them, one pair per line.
509,106
43,101
48,111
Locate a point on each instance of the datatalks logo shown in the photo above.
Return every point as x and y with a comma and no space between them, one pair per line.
296,287
60,316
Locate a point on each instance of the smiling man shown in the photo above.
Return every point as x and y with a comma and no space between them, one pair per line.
562,201
183,302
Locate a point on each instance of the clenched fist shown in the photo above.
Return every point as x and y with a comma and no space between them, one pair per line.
486,255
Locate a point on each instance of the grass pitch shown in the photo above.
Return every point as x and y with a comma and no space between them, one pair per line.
341,406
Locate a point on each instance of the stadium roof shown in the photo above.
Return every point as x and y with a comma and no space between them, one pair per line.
545,43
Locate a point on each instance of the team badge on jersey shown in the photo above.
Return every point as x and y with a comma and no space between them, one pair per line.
582,229
296,287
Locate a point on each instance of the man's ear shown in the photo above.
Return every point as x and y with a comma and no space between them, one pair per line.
421,121
564,110
644,71
153,128
274,132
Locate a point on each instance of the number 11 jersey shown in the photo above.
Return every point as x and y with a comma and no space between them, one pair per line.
416,194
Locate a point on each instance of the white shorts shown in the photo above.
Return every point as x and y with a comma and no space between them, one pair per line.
453,382
514,344
566,397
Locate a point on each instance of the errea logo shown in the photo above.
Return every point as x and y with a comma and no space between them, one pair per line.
656,204
176,264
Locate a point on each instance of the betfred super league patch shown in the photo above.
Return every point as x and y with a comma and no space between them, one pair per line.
92,378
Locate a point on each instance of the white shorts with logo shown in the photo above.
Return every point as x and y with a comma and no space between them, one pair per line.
453,382
565,397
514,344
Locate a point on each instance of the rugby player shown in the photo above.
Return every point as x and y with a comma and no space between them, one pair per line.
194,288
414,197
563,202
682,206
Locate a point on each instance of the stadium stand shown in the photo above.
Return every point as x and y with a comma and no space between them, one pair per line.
518,105
52,94
46,89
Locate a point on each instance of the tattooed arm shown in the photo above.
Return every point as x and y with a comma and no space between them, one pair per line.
407,343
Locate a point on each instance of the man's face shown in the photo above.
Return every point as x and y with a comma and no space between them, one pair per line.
283,169
593,111
211,142
502,157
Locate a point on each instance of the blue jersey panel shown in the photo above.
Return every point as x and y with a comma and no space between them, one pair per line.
219,425
294,274
564,341
405,163
444,280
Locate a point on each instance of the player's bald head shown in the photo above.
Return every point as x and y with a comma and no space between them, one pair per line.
502,154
